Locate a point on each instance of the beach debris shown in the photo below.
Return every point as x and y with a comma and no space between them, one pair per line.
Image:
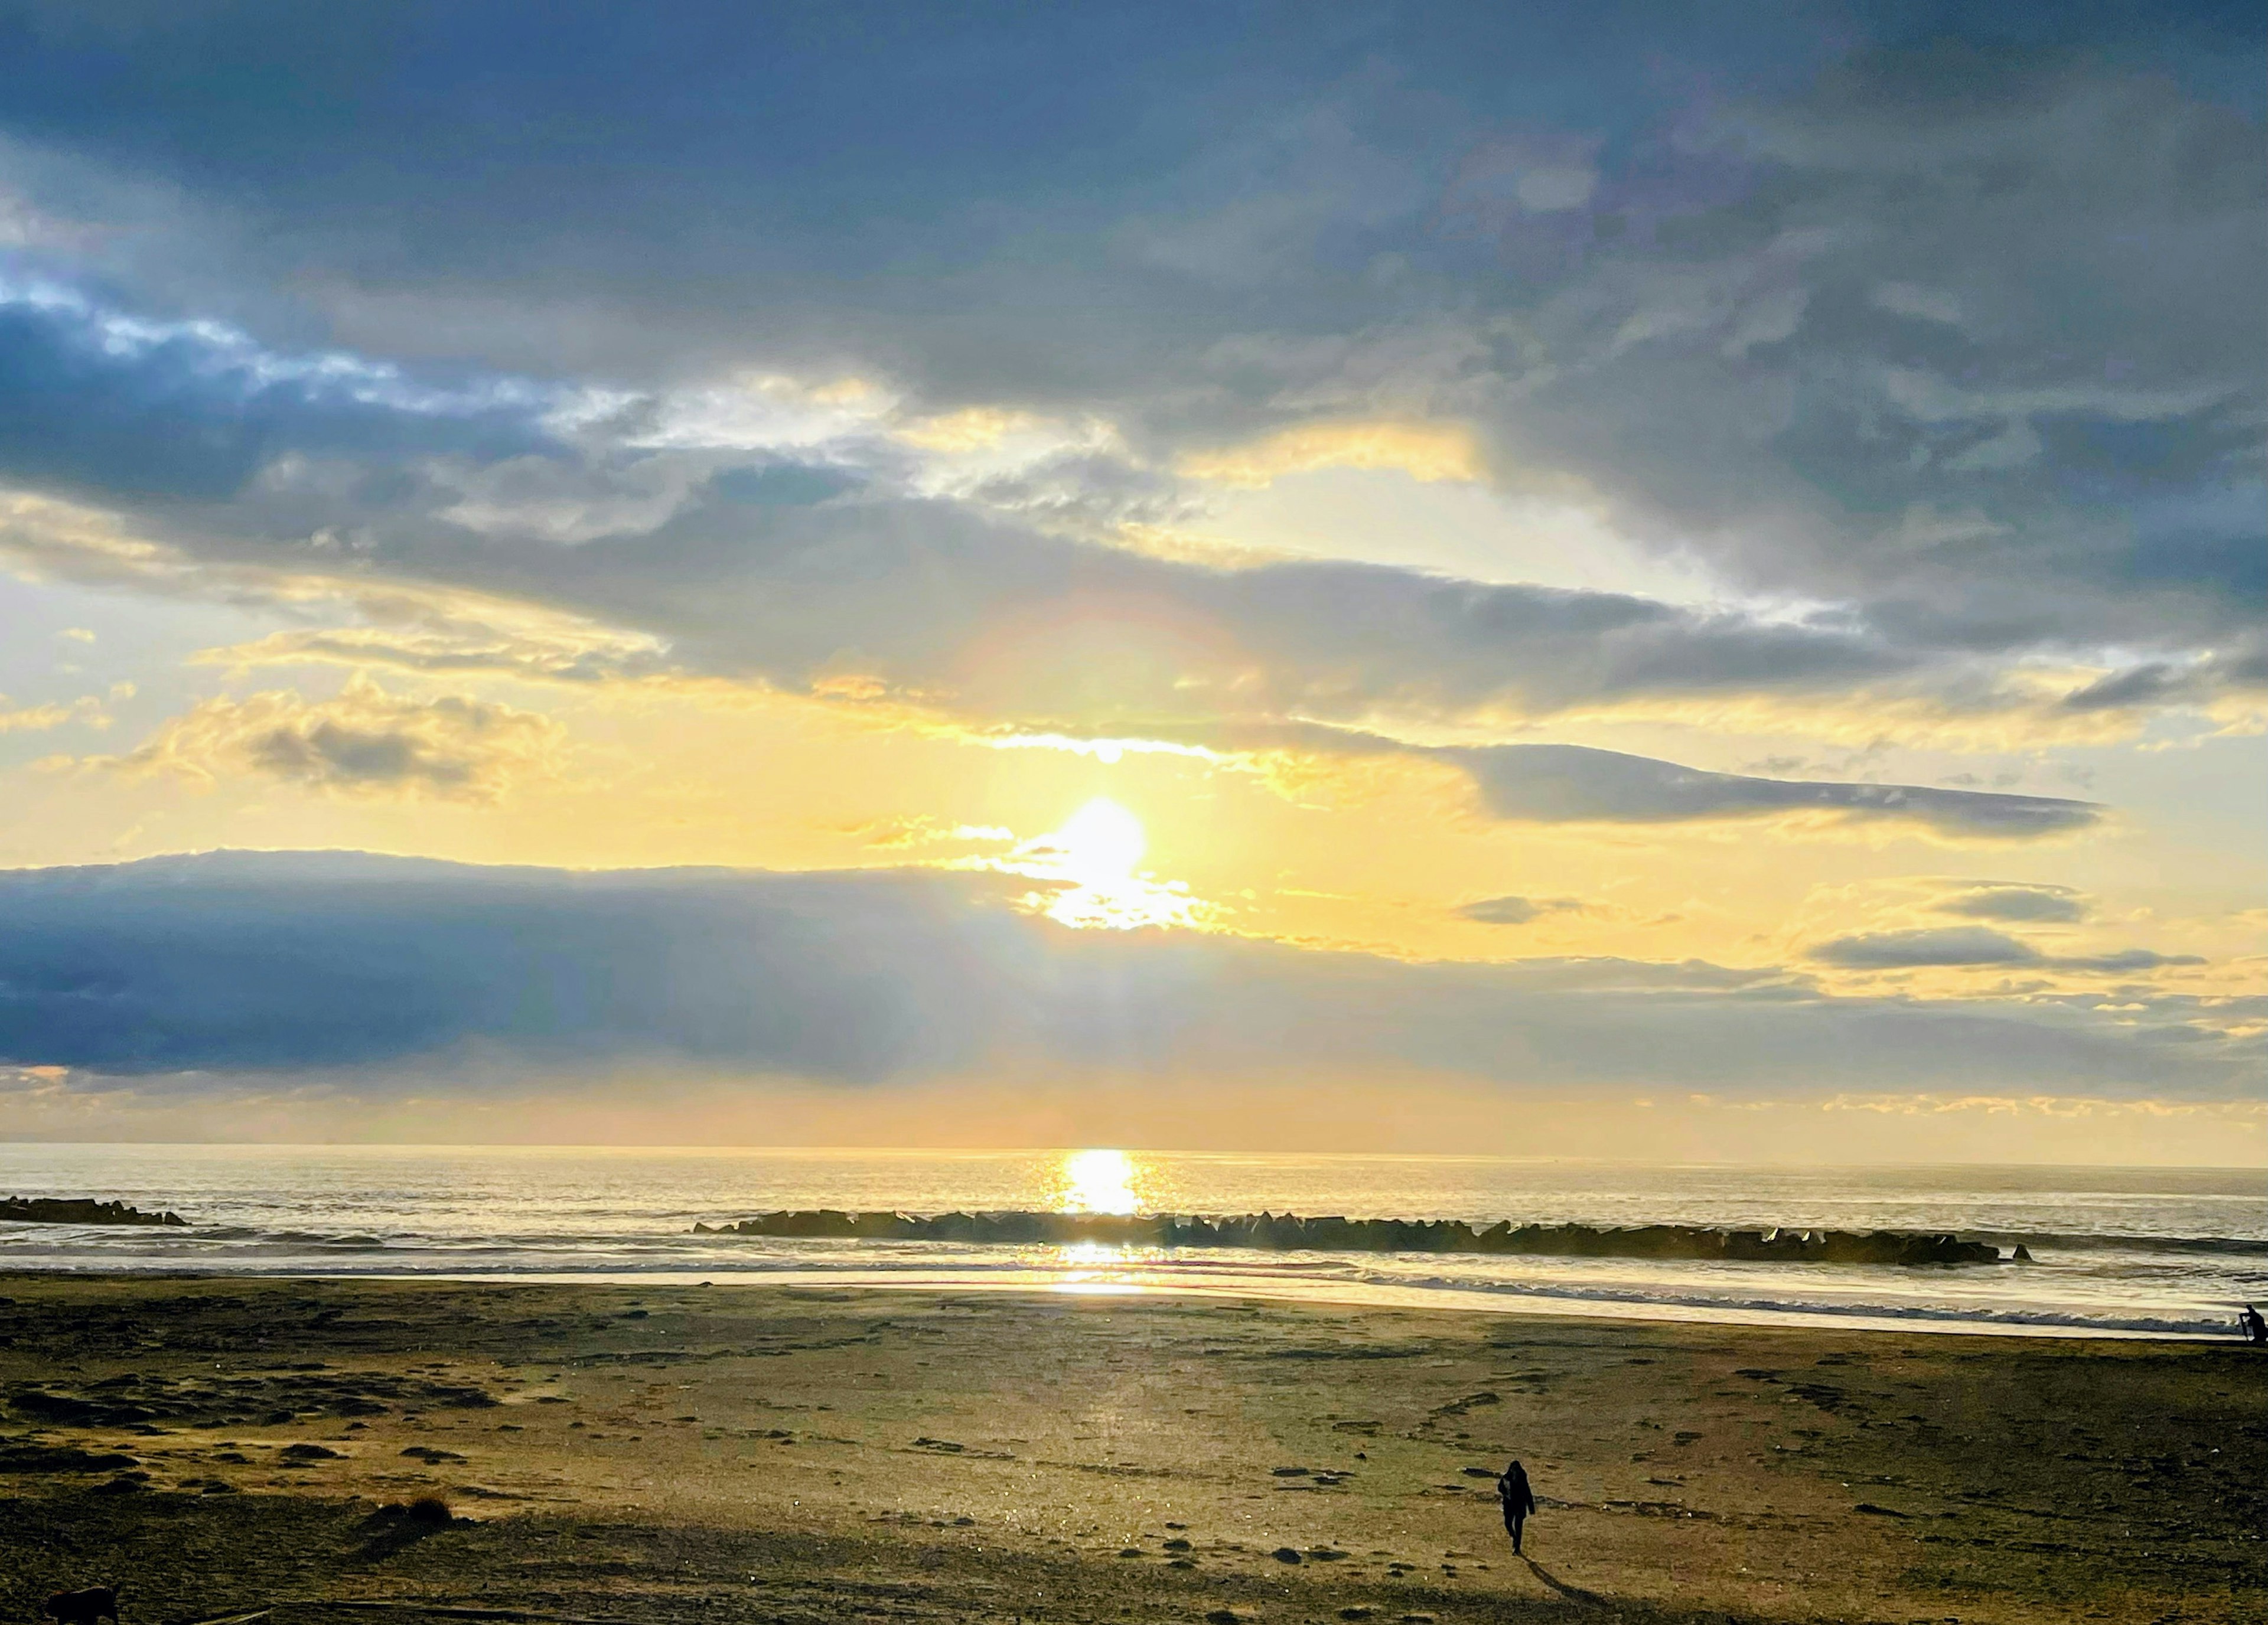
395,1526
1286,1553
1288,1231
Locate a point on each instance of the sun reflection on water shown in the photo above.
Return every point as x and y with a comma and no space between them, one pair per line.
1097,1181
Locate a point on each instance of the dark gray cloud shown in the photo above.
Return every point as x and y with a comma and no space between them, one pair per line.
1518,910
1573,784
2017,903
337,961
1928,946
2164,682
1955,322
790,573
1977,945
1953,332
1015,623
94,399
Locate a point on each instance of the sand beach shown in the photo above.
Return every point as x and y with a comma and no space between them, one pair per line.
216,1446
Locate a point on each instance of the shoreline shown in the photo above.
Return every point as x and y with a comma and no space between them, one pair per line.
1118,1279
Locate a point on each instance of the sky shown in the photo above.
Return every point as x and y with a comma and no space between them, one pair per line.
1678,582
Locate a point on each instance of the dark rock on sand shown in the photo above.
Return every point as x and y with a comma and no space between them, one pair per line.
29,1458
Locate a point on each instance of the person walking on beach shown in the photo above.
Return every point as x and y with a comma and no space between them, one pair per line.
1519,1501
2256,1330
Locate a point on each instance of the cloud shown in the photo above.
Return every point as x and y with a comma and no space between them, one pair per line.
1573,784
2017,903
1581,784
1969,946
2155,683
95,399
363,742
1930,947
2125,961
449,973
934,607
981,613
1518,910
87,710
1880,336
2031,372
1428,452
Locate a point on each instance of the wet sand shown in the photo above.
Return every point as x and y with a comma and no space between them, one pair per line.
735,1453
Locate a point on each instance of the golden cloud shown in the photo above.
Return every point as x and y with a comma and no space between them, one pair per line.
1427,452
363,742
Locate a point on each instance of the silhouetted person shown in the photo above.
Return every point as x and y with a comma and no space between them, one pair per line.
2255,1328
1519,1501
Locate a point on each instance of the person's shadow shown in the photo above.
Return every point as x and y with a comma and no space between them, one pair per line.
1574,1594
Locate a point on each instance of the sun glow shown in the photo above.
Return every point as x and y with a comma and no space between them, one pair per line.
1101,842
1097,1181
1093,857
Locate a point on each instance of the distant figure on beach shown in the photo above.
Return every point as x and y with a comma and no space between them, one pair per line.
1519,1501
2255,1328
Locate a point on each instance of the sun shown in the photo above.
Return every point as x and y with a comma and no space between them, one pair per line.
1094,860
1102,843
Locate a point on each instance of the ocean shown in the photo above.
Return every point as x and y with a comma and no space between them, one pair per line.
2126,1252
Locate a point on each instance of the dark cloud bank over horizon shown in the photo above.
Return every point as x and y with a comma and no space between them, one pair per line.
348,964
